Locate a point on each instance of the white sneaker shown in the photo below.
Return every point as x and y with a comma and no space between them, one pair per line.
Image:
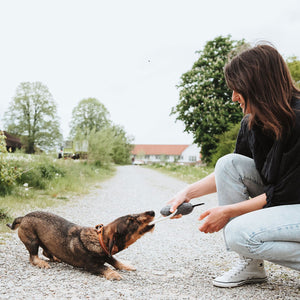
247,270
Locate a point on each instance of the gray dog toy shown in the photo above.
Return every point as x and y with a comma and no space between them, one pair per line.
183,209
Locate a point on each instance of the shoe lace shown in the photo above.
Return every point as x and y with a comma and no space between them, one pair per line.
242,263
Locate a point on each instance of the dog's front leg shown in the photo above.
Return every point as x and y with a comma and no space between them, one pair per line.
119,265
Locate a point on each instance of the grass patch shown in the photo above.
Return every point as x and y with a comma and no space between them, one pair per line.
185,173
47,182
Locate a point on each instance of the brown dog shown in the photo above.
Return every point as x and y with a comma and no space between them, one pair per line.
84,247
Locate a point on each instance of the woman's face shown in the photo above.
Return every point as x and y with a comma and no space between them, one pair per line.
236,97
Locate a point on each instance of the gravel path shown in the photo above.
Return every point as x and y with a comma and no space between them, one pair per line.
176,261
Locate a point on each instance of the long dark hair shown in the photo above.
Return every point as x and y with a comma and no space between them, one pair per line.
262,77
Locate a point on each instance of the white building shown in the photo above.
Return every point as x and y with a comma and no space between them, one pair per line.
185,154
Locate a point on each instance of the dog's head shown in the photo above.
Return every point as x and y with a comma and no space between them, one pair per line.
124,231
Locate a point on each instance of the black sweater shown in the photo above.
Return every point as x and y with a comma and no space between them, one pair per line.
277,161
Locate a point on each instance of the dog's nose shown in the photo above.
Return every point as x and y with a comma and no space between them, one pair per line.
151,213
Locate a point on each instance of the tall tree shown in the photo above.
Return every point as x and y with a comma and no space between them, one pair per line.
106,142
33,116
90,114
205,104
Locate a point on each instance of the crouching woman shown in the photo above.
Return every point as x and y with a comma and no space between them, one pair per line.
258,186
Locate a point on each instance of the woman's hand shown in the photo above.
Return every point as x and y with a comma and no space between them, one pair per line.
177,200
200,188
216,219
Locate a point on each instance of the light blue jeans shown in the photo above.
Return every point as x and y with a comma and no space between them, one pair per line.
271,234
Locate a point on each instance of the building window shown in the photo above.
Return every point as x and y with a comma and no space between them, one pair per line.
157,156
192,158
147,156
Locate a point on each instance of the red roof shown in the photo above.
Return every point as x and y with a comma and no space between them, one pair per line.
158,149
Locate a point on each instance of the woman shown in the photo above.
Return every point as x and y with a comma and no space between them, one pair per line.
258,185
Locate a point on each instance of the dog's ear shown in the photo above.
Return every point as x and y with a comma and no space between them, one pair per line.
111,244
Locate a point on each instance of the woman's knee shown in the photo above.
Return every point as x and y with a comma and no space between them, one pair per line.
234,162
224,163
237,236
245,234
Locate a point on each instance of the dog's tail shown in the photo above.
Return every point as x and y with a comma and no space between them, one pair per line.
15,223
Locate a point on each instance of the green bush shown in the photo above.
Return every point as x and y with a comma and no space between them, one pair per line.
50,171
8,173
226,143
34,179
2,143
8,176
40,172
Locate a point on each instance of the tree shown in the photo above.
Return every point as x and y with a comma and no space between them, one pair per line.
100,146
90,114
294,67
122,146
106,142
226,143
109,144
32,115
205,104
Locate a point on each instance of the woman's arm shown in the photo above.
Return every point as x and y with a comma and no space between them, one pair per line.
218,217
200,188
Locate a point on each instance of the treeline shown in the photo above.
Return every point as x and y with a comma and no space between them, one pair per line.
32,116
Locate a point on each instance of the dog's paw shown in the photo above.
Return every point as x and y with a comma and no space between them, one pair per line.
39,263
42,264
112,275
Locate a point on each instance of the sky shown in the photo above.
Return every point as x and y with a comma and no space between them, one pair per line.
128,54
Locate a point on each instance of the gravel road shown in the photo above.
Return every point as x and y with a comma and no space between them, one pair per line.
176,261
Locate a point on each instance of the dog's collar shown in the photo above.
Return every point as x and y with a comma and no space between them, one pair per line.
99,229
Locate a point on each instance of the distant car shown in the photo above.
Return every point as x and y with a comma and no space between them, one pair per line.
138,162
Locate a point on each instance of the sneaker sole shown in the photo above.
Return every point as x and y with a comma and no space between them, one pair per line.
238,283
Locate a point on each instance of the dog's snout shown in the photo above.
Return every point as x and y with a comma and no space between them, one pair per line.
151,213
